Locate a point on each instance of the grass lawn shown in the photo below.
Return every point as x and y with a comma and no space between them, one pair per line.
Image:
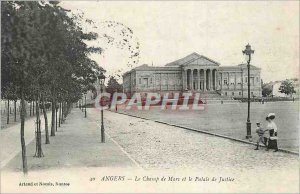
230,119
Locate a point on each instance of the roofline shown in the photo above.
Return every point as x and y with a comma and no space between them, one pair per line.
182,58
152,68
192,60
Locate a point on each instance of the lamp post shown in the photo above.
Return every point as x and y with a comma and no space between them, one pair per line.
101,78
247,52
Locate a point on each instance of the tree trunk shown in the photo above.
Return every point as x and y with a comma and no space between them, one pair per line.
46,121
56,109
62,112
33,108
53,118
65,110
15,103
30,108
68,108
59,114
7,122
24,159
39,151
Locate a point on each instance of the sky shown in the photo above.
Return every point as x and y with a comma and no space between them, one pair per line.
164,31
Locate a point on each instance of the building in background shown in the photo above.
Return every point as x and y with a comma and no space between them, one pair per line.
276,85
194,73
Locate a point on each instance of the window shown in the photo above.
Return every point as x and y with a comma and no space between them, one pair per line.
251,93
240,93
140,80
225,93
225,82
219,82
257,78
232,93
246,79
151,80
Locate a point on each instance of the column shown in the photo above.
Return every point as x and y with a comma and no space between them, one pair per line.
221,75
207,79
192,79
215,79
198,70
210,80
204,70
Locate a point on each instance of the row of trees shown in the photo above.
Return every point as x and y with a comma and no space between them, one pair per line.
45,58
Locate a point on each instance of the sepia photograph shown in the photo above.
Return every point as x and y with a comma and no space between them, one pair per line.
149,97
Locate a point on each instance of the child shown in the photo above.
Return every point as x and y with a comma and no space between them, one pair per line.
260,132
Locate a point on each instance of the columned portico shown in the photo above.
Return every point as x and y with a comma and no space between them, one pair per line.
200,79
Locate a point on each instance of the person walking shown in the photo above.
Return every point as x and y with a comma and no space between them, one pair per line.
272,128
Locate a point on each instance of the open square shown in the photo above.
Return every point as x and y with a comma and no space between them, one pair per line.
230,119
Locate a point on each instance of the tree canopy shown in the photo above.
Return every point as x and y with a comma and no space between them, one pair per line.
113,85
266,90
287,88
44,57
41,44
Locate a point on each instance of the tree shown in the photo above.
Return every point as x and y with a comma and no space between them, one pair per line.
287,88
40,45
266,90
113,86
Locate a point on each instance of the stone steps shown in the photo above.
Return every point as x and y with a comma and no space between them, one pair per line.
212,97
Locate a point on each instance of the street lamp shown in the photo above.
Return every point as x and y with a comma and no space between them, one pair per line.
247,52
101,78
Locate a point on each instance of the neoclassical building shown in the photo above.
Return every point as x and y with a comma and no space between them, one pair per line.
194,73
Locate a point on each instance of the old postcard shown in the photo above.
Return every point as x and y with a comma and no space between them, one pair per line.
149,97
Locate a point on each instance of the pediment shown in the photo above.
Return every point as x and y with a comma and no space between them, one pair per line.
201,61
184,60
193,59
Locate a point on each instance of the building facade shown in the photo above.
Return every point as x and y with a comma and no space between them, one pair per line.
194,73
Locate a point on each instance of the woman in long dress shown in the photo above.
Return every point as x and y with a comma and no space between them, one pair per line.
272,128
